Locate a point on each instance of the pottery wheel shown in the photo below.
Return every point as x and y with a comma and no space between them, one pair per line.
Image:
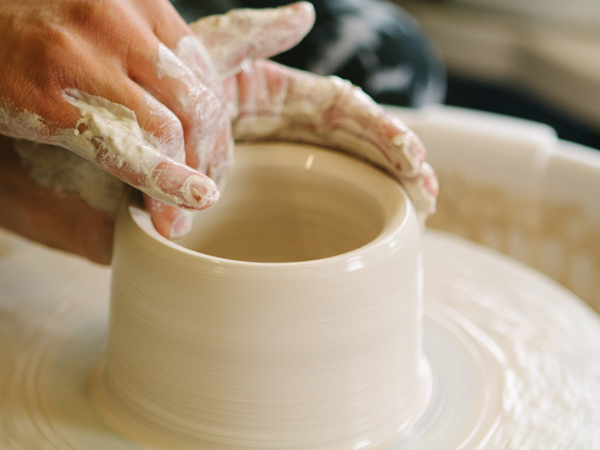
515,359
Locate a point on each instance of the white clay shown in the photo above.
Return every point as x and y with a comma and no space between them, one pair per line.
169,65
241,31
19,124
200,95
515,358
126,142
315,347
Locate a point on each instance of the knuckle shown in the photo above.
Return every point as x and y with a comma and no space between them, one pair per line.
95,14
170,136
53,52
85,11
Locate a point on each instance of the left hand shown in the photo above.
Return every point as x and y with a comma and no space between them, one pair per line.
277,103
274,102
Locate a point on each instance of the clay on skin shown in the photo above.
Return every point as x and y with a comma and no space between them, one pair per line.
201,95
114,129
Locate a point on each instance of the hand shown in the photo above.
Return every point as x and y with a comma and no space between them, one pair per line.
277,103
126,86
273,102
333,113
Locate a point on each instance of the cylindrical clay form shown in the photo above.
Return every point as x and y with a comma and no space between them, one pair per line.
289,318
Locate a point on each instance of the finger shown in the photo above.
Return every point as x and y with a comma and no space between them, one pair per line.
183,78
246,34
189,144
172,82
170,221
206,123
167,24
276,102
109,135
143,54
214,159
222,157
423,191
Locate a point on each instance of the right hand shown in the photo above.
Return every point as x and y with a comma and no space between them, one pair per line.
61,58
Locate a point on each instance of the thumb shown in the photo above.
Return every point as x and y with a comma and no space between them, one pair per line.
246,34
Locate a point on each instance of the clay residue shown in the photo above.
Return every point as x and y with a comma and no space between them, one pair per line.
69,174
561,240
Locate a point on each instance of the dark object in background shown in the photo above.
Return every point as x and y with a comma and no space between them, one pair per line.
372,43
475,94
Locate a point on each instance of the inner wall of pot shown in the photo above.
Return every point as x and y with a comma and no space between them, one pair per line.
277,215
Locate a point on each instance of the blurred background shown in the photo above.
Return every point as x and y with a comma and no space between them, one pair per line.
534,59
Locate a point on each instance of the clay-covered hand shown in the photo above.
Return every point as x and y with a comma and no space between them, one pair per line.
273,102
279,103
127,86
66,67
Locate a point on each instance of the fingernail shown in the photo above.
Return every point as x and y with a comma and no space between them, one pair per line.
199,192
